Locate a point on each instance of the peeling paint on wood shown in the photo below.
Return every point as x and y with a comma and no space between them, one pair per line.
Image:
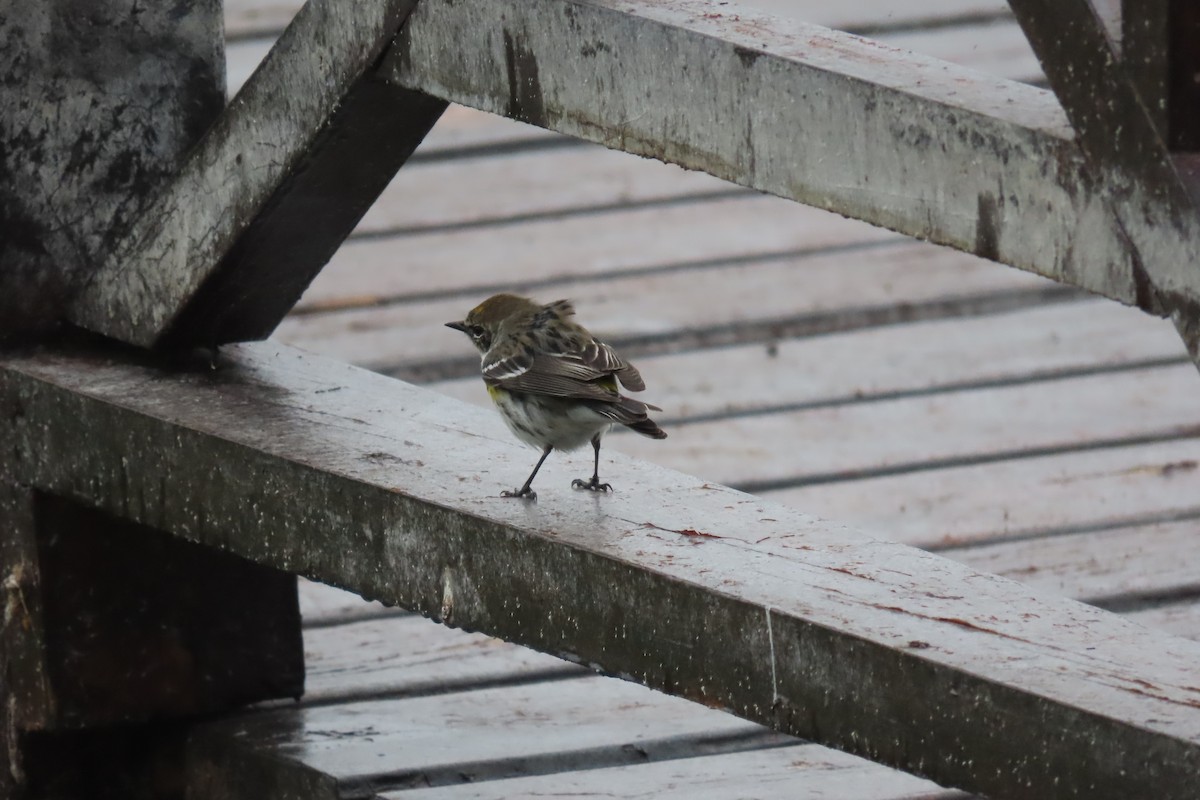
784,619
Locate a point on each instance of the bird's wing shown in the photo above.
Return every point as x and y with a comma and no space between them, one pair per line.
561,375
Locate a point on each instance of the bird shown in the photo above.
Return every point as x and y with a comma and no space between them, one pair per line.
556,386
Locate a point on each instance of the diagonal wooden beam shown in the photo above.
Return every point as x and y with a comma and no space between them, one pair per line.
1121,138
360,481
227,247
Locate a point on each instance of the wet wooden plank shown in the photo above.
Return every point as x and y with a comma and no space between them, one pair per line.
362,748
411,655
1180,619
828,444
229,244
803,772
1017,497
809,626
555,251
1110,567
561,182
722,302
326,605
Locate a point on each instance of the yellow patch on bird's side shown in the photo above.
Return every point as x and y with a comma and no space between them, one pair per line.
495,392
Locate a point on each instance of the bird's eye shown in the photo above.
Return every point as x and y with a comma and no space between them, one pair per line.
477,331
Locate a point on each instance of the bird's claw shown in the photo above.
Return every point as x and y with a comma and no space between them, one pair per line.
524,494
594,485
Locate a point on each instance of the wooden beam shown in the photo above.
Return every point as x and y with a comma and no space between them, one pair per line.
692,588
1152,200
900,140
228,246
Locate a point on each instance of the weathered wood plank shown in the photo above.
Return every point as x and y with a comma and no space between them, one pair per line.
263,201
980,164
755,298
1016,498
809,626
410,655
1182,619
1149,197
1109,567
471,262
827,444
363,748
555,183
997,48
870,364
328,605
803,772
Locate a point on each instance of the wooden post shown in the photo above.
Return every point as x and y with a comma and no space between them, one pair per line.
100,100
108,623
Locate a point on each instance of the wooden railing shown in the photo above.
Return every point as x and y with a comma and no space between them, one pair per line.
304,466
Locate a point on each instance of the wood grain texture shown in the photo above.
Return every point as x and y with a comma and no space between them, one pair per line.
411,655
99,106
1017,497
227,246
551,251
808,626
803,772
824,445
979,164
687,305
359,749
922,357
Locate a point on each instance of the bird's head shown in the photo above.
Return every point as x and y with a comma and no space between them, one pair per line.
483,322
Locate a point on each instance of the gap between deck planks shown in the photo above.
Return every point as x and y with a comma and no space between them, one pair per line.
378,659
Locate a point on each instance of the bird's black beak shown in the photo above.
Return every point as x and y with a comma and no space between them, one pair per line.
458,326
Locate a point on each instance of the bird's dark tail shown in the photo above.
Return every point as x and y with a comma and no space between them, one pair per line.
648,427
632,414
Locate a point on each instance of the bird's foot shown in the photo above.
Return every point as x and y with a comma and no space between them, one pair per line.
525,494
594,485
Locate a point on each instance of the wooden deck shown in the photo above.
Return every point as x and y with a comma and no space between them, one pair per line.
947,402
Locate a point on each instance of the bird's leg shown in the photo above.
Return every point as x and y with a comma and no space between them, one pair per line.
594,485
525,492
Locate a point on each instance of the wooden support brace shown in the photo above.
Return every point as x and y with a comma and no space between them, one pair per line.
350,478
1153,202
229,245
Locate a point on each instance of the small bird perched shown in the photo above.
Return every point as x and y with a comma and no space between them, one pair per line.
554,383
